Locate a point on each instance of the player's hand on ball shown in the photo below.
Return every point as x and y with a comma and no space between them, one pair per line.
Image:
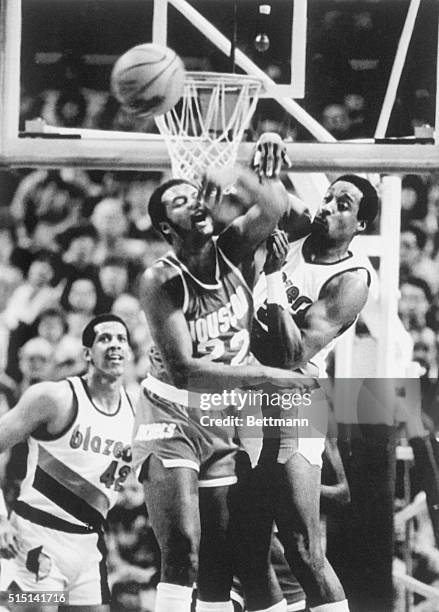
270,155
9,539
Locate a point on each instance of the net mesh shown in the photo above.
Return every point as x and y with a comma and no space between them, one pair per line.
208,123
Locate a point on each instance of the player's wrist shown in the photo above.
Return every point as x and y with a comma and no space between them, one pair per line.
276,289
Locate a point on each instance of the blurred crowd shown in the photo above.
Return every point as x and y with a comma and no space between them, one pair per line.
74,243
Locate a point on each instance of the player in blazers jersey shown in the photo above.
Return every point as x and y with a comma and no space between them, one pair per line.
79,436
199,309
309,293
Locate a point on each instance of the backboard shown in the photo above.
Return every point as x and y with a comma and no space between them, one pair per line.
103,29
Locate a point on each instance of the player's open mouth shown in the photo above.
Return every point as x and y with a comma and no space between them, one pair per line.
199,218
320,222
115,358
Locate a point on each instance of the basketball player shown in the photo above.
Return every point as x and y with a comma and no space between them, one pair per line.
199,309
79,434
309,293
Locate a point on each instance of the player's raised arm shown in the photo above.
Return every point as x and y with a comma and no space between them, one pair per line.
38,406
268,159
162,303
264,202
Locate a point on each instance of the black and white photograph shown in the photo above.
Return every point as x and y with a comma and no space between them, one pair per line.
219,306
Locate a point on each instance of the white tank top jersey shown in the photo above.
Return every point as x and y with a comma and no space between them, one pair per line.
304,282
76,476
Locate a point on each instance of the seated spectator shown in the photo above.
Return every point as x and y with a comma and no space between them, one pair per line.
355,105
78,246
413,199
336,120
36,293
51,325
114,278
414,303
45,204
68,359
111,225
424,351
70,108
81,300
35,362
413,259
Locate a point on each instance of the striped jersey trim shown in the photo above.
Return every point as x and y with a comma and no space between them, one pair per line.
52,474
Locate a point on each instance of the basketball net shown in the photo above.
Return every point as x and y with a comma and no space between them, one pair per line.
207,125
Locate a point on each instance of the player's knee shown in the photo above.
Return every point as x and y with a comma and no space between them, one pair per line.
308,551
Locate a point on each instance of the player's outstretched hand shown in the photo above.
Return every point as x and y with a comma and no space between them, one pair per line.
270,155
277,250
9,539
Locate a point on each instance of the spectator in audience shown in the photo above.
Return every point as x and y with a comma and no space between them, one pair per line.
336,120
413,260
35,362
414,304
424,351
111,223
81,300
36,293
78,246
114,278
70,109
413,199
51,325
68,359
45,204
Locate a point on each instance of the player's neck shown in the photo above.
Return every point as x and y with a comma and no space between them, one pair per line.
199,260
104,391
321,250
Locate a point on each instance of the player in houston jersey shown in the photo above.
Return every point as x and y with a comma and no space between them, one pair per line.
310,292
199,310
79,436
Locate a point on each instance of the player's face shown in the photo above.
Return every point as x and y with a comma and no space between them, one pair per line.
110,348
184,210
337,217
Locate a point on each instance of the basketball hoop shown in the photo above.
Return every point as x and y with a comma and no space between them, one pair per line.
208,123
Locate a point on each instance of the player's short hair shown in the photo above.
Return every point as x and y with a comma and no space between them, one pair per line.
89,333
368,209
156,208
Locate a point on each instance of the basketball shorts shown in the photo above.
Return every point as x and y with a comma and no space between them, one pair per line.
302,430
52,560
179,436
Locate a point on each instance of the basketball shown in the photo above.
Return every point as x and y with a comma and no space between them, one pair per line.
148,79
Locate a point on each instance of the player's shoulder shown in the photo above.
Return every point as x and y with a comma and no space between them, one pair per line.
349,286
48,395
158,275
